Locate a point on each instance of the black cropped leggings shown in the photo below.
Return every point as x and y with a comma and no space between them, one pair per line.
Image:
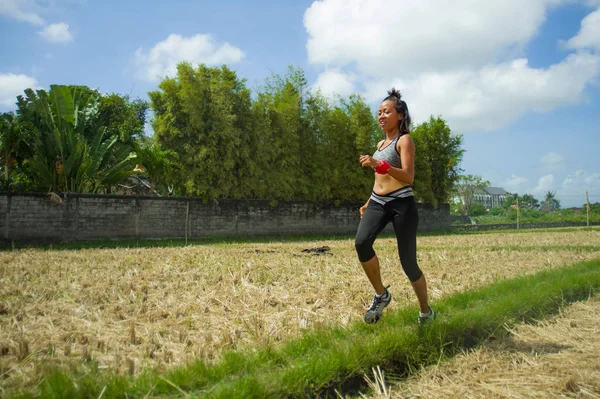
402,212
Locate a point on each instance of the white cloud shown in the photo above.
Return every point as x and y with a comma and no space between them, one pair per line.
448,58
571,192
30,10
57,33
493,96
416,35
12,85
333,82
513,183
575,185
163,58
589,34
545,183
552,162
21,10
582,181
592,180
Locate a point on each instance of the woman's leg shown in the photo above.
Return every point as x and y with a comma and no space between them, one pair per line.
373,272
373,221
406,222
420,288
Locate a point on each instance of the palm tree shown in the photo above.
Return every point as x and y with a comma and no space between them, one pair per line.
551,201
65,158
157,164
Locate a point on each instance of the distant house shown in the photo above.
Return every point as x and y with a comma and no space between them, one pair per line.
490,197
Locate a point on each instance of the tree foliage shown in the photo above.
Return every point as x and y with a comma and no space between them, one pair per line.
594,207
70,148
440,153
526,201
551,201
215,139
202,117
286,144
14,137
156,165
123,118
477,209
465,190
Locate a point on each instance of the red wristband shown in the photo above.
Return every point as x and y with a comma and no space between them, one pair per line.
383,167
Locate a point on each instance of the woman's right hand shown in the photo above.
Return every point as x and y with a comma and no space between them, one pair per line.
362,210
367,160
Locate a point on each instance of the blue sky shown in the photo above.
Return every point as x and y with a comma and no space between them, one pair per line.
520,80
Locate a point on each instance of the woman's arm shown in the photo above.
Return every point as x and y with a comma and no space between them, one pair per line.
406,174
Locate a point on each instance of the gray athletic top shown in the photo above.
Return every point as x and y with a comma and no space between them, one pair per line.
389,153
392,156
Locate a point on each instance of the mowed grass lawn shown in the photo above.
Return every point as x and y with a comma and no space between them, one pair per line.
125,310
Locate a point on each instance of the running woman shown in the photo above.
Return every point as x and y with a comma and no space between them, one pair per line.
392,200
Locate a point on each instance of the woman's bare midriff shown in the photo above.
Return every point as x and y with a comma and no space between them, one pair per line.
385,184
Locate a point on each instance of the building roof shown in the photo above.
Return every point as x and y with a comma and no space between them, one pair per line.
491,191
496,191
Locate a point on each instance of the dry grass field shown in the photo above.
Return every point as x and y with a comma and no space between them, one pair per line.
556,358
128,309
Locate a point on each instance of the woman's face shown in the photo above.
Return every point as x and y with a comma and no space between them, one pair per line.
387,116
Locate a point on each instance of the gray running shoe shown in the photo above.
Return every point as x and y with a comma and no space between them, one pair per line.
379,303
427,319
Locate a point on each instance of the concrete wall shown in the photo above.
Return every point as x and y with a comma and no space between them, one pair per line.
82,217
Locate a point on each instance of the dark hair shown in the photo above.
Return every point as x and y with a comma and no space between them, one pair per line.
401,107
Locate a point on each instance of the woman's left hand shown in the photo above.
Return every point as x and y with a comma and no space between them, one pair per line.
367,160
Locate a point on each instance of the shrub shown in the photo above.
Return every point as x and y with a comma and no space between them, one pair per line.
477,209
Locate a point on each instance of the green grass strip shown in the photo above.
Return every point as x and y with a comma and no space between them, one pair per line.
336,358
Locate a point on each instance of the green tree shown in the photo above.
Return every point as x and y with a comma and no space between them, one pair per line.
41,109
123,117
344,170
287,170
157,164
64,159
465,189
14,136
441,151
196,115
526,201
316,115
422,184
364,124
551,201
594,207
365,134
477,209
284,143
335,137
529,202
510,200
